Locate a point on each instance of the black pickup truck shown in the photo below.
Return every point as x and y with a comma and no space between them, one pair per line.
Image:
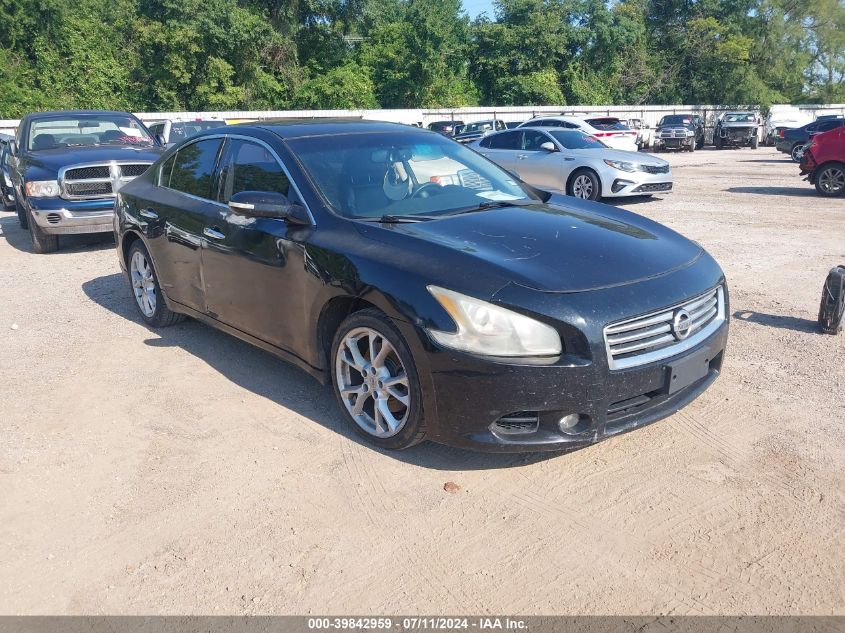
67,166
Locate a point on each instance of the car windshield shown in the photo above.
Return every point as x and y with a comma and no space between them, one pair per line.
607,124
573,139
401,173
478,126
98,129
180,130
739,118
675,120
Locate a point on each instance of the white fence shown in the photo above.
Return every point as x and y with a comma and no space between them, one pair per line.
650,114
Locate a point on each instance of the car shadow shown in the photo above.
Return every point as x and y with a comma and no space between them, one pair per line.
623,202
18,238
798,192
796,324
777,161
265,375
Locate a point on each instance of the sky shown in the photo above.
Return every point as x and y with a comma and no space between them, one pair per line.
474,7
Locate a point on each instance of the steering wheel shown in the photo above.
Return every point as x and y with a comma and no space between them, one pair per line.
425,188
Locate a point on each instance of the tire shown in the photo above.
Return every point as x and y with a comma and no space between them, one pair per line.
795,153
830,180
699,144
691,148
718,142
584,184
42,242
146,289
397,422
754,143
23,220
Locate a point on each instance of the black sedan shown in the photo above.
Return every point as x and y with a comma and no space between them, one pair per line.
792,140
442,298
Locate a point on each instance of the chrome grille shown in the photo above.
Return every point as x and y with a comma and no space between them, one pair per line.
102,180
678,132
662,334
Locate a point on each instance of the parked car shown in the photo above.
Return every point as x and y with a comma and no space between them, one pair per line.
473,131
823,162
66,166
679,131
737,129
623,139
792,140
442,298
645,134
576,163
7,192
446,128
512,124
176,130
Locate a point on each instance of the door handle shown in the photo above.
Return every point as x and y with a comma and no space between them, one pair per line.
522,156
149,214
213,233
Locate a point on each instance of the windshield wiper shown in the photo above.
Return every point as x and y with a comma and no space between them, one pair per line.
398,219
491,204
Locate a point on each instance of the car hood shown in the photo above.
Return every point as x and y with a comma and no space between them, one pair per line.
59,157
548,247
622,155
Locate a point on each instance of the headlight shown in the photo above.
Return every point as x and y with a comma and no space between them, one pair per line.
42,188
484,328
621,165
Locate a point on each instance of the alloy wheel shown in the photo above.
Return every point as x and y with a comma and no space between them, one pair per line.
143,283
797,153
582,187
372,382
832,180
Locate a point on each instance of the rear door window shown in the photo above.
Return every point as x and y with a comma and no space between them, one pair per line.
193,168
506,140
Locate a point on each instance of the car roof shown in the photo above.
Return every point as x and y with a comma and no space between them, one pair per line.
54,113
298,128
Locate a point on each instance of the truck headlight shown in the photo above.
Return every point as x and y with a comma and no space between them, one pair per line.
621,165
42,188
490,330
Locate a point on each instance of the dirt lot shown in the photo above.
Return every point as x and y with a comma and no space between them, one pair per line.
183,471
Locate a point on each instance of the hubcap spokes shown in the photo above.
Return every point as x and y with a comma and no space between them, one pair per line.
582,187
832,180
143,284
372,382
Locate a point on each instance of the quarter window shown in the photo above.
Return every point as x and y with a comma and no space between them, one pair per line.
193,167
250,167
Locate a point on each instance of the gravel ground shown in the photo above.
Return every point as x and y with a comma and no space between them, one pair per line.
183,471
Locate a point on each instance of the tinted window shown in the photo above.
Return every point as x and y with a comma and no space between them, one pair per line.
180,131
607,123
505,140
532,140
194,167
829,125
250,167
574,139
166,170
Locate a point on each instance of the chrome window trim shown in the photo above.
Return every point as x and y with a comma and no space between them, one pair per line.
115,179
671,350
242,137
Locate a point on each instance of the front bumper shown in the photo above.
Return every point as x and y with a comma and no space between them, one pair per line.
675,142
58,216
617,184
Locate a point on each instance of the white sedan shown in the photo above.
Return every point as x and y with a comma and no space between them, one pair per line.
575,163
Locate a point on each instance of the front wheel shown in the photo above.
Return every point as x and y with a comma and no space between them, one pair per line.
375,381
22,218
830,180
147,290
584,184
41,242
754,143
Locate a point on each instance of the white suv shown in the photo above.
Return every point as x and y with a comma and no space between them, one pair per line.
609,130
177,130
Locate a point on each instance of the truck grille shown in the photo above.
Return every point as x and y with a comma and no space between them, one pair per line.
85,182
674,133
662,334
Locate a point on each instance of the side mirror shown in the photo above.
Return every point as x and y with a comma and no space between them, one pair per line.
268,204
548,146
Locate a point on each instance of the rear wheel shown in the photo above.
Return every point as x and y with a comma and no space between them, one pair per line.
830,180
375,381
147,290
796,152
584,184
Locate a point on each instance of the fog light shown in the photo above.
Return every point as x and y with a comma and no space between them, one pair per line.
568,422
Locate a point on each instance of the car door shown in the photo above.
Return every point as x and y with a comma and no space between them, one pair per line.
537,166
254,268
175,214
502,148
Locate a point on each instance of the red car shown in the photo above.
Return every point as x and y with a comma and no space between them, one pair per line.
824,162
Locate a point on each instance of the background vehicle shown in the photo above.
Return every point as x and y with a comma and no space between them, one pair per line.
344,248
783,118
621,138
177,130
823,162
791,141
66,166
737,129
574,162
679,131
445,127
475,130
7,192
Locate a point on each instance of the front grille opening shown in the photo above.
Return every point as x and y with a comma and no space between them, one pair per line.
88,188
131,171
518,423
54,218
86,173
